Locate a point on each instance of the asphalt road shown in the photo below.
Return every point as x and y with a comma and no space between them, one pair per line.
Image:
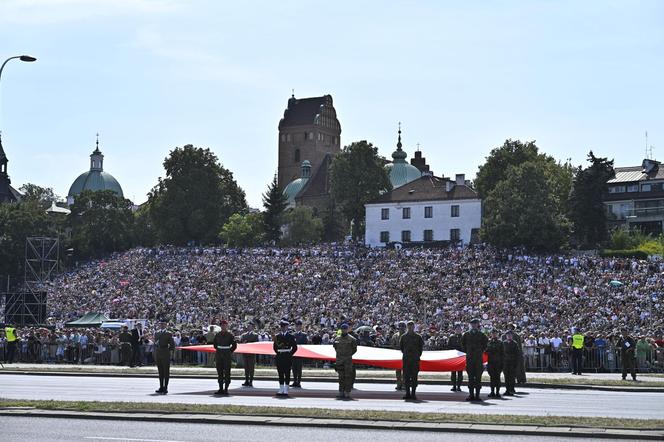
433,398
49,429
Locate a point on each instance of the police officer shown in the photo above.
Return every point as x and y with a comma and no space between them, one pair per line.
473,343
578,341
454,343
495,352
627,346
249,359
163,346
301,338
284,347
225,344
345,346
411,345
11,336
510,358
394,343
125,346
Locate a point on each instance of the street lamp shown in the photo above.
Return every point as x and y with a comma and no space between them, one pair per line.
26,58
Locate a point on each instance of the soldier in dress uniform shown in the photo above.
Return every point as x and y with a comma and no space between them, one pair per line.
284,347
301,338
519,371
495,353
627,346
345,346
225,344
163,346
510,357
454,343
394,343
411,345
474,343
125,346
249,359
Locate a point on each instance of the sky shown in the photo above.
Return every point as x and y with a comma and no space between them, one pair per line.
461,76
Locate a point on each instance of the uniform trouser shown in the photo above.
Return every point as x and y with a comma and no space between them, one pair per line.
163,359
11,351
411,368
510,375
494,373
346,372
249,366
284,364
136,355
628,365
457,378
399,379
520,370
297,370
474,368
126,353
223,363
577,360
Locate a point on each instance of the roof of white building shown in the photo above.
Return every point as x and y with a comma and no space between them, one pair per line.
428,188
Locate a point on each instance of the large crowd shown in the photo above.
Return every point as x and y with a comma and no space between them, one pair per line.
546,297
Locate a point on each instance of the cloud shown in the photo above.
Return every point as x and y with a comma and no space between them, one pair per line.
46,12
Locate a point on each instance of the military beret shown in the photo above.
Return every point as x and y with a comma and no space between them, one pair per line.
344,326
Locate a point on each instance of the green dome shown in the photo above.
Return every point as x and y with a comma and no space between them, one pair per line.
95,180
293,188
399,170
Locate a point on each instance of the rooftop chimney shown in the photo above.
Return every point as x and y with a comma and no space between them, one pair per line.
460,179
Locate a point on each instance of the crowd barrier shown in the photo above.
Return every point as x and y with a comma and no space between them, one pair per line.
536,359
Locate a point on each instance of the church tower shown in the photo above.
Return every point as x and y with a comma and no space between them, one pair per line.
309,131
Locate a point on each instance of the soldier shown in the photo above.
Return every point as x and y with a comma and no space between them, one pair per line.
163,346
454,343
345,346
411,345
627,346
301,338
473,343
494,351
519,372
284,347
125,346
394,343
249,359
225,344
510,357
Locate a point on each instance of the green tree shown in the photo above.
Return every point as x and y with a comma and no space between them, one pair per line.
243,230
101,223
334,225
274,202
44,196
195,199
494,170
144,231
522,210
586,209
358,177
302,227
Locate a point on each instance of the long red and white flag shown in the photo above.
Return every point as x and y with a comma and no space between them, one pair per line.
443,360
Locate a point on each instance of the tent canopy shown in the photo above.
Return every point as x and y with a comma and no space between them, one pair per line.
88,320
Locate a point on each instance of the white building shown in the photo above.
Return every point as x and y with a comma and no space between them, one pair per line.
426,210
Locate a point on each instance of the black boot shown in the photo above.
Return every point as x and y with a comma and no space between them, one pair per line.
408,396
477,394
413,397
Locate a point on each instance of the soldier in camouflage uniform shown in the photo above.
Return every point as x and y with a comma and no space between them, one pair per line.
495,364
394,343
345,346
474,343
454,343
411,345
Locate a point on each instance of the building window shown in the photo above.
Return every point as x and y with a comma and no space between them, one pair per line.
633,188
283,137
297,155
455,235
455,211
405,213
474,236
428,211
428,235
644,188
288,137
385,237
311,135
384,213
405,236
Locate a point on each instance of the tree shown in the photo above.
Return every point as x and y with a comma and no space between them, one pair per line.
195,199
358,177
494,170
274,202
243,230
101,223
144,231
586,209
522,210
302,227
44,196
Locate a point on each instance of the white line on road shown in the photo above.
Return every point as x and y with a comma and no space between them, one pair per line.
130,440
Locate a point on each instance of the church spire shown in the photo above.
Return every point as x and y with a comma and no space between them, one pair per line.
97,158
399,156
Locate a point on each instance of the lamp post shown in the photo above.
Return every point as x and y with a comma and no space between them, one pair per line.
26,58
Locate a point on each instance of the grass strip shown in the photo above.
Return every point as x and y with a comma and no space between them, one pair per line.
322,413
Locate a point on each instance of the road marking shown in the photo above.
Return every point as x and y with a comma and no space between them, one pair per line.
130,440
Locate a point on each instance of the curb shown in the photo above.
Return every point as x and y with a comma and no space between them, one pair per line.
333,380
522,430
